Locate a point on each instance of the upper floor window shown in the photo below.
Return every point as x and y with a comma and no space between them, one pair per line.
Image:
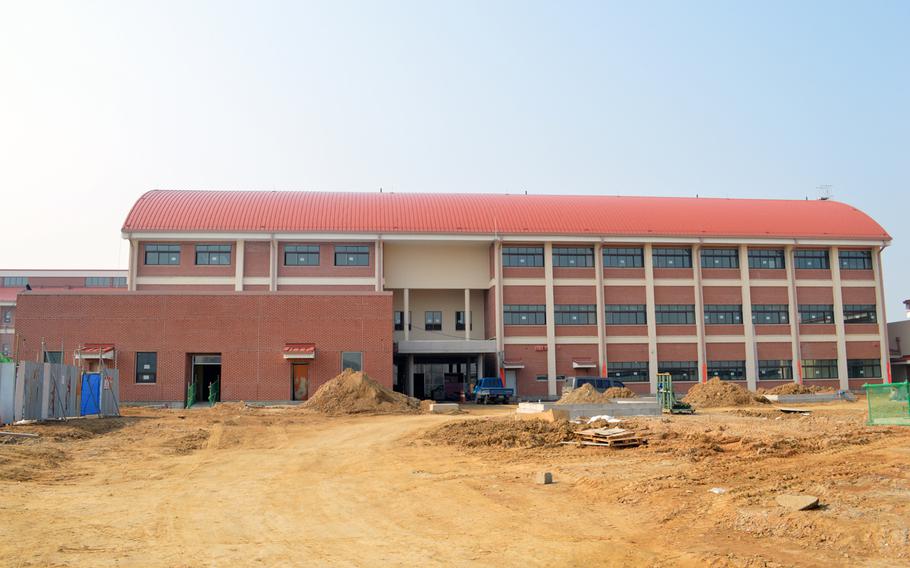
146,367
770,314
626,314
301,255
162,254
516,314
399,321
5,349
672,257
352,255
459,321
432,321
855,259
814,259
7,316
816,313
575,314
118,281
674,314
522,256
719,314
719,258
766,258
624,257
15,281
573,257
213,254
860,313
97,282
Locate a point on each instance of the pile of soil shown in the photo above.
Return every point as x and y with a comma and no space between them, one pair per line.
587,394
793,388
356,393
716,393
501,433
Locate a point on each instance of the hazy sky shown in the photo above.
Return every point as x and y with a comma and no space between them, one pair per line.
101,101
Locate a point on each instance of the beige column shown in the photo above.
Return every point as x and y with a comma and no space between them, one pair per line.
134,265
699,314
748,326
793,311
379,265
467,313
881,314
411,375
238,267
273,265
599,294
480,366
652,316
551,319
407,313
839,328
500,327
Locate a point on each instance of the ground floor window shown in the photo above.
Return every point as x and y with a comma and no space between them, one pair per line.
864,368
679,370
775,370
820,368
53,357
628,371
727,370
352,360
146,367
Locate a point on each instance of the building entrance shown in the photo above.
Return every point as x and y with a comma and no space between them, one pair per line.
205,377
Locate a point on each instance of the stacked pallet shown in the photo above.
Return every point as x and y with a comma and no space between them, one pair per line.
610,437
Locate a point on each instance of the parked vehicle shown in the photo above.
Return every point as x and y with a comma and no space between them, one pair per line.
600,384
490,390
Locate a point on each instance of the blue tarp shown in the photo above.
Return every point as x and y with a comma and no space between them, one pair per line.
91,394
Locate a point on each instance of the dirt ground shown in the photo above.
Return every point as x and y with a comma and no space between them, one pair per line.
245,486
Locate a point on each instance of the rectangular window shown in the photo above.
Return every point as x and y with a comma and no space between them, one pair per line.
816,313
459,321
775,370
156,253
864,368
352,360
624,257
860,313
7,316
97,282
15,281
352,255
719,258
720,314
764,314
516,314
544,378
573,257
674,314
766,258
820,368
727,370
5,349
672,257
399,321
575,314
146,367
301,255
628,371
626,314
53,357
432,321
119,282
816,259
679,370
855,259
213,254
522,257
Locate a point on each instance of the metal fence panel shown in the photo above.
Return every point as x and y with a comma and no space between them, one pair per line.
7,392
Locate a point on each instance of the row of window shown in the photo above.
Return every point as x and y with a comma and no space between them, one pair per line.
294,255
432,321
768,370
681,257
90,281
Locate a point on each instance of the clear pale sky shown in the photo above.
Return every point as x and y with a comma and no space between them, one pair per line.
101,101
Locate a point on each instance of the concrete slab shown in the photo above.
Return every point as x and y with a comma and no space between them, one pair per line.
810,398
443,407
645,406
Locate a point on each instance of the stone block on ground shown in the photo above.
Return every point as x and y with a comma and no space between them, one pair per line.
544,478
797,502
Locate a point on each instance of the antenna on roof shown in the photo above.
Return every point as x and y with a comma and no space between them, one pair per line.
526,192
825,191
380,190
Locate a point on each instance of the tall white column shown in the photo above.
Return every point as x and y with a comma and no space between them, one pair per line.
881,314
238,267
273,265
467,313
551,319
652,316
839,328
134,265
407,313
379,268
748,327
599,294
699,315
793,313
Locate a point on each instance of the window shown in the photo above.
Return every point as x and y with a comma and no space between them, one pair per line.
97,282
5,350
119,282
352,255
855,259
7,316
811,259
820,368
718,314
764,314
146,368
766,258
672,257
864,368
816,313
522,256
679,370
162,254
775,370
352,360
15,281
727,370
459,321
626,314
624,257
515,314
301,255
432,321
544,378
860,313
719,258
53,357
674,314
575,314
399,321
628,371
213,254
573,257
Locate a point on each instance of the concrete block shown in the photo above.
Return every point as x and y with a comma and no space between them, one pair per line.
797,502
543,478
551,415
443,407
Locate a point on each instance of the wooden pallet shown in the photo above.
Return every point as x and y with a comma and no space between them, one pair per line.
610,437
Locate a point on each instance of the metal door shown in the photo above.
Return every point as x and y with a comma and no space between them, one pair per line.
511,380
300,374
91,394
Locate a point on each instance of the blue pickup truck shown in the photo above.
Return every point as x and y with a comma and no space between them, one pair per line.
490,390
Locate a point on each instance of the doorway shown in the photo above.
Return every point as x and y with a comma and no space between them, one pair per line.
205,374
511,380
300,373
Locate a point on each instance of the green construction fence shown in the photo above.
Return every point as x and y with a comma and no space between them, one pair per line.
889,404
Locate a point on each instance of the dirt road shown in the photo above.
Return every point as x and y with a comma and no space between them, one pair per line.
235,486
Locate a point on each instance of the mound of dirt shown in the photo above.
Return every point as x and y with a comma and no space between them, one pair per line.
618,392
793,388
500,433
587,394
356,393
716,393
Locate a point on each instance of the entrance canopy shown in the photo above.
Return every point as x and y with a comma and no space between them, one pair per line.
513,365
299,351
96,351
583,364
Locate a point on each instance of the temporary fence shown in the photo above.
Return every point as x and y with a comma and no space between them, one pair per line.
889,404
48,391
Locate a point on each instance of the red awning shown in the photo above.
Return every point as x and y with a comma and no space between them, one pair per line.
583,364
299,350
513,364
96,351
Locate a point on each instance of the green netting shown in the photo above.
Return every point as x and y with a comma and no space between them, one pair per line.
190,395
888,404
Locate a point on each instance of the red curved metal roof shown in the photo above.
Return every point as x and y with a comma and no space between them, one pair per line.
306,211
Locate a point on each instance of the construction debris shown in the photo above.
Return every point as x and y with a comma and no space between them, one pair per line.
718,393
611,437
19,434
356,393
587,394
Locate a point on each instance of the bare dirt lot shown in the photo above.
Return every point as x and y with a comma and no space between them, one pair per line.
244,486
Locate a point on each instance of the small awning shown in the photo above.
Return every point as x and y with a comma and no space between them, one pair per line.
96,351
513,365
299,351
583,364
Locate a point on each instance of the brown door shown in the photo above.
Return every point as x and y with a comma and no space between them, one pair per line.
300,372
